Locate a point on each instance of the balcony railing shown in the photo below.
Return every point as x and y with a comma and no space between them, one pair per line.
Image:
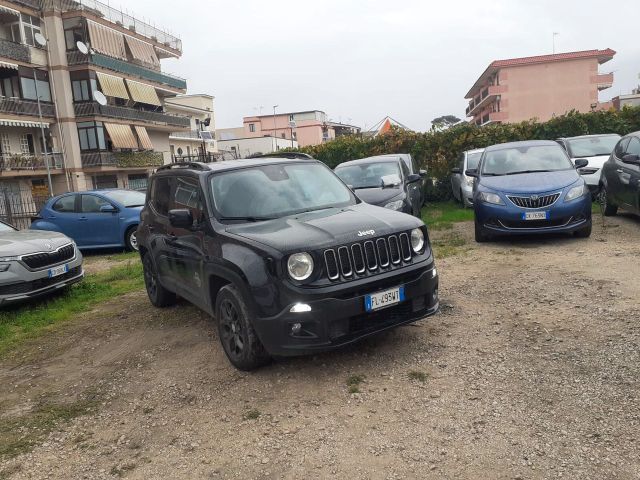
91,109
18,106
77,58
483,99
18,161
122,159
15,51
191,135
35,4
604,80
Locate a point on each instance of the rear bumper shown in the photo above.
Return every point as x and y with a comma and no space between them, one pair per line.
334,322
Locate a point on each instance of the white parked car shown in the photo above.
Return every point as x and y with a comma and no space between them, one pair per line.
461,184
595,149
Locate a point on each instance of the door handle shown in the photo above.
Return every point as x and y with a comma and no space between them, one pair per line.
82,219
620,170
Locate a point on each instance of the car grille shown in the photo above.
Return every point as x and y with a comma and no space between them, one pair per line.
552,222
26,287
534,201
42,260
358,259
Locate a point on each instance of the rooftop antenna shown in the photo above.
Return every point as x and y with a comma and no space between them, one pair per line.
554,40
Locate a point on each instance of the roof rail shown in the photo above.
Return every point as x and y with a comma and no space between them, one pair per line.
196,165
291,155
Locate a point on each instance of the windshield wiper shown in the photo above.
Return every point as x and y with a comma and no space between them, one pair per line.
248,219
366,186
528,171
488,174
131,206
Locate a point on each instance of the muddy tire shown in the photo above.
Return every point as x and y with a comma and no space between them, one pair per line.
481,237
158,295
583,232
131,239
609,209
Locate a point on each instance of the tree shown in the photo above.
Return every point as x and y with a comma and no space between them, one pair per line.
442,123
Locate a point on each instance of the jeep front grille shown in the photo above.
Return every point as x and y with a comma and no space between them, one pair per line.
360,258
534,201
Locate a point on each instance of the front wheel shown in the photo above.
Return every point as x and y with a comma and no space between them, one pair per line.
131,239
584,232
158,295
481,237
239,340
464,204
609,208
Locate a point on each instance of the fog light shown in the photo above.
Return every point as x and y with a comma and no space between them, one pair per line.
300,308
434,272
296,328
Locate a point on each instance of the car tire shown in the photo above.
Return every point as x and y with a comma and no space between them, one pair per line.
131,240
464,204
583,232
237,335
481,237
158,295
609,209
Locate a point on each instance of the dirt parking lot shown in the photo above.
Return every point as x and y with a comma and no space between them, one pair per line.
531,370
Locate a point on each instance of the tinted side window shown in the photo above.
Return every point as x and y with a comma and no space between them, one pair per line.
405,169
92,204
633,148
620,148
161,194
65,204
187,196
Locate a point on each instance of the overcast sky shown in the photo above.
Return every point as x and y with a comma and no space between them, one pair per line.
361,60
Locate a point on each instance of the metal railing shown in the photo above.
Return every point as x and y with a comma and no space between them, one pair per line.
18,106
77,58
202,157
14,51
35,4
18,205
122,159
19,161
89,109
118,17
192,135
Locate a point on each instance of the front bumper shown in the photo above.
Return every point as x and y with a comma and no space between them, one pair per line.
467,195
340,318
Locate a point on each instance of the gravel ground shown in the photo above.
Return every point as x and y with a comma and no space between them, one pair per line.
530,370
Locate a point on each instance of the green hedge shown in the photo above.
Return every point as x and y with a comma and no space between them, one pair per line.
437,151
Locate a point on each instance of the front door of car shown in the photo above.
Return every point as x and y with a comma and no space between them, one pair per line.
613,173
411,187
99,221
631,175
158,230
456,178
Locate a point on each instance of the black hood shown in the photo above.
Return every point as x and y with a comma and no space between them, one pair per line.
324,228
378,196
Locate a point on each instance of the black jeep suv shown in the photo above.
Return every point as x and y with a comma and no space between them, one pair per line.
283,255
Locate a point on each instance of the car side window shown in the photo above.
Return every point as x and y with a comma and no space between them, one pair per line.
187,195
620,148
461,162
161,194
405,169
633,148
92,203
65,204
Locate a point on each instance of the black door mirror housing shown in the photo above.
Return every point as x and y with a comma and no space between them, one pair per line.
181,218
414,177
456,171
423,172
631,159
581,162
471,172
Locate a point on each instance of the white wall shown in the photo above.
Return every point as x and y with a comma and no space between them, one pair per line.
251,146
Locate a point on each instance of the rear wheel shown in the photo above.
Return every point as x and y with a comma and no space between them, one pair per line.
481,237
239,340
131,239
464,205
158,295
608,207
583,232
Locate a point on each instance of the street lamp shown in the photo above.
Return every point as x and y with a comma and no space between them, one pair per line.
40,40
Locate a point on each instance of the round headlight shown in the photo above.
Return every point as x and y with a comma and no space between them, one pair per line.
300,266
417,240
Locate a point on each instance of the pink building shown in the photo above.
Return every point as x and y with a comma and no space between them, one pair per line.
539,87
308,128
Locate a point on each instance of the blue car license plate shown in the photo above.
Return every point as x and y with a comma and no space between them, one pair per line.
56,271
535,215
383,299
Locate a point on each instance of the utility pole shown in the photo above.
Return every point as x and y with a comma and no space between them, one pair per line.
554,41
275,140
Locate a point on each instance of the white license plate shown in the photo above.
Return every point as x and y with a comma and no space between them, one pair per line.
55,271
383,299
535,215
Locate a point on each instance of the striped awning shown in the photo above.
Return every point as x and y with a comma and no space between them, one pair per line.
121,136
10,11
142,51
12,66
21,123
106,40
143,136
112,86
143,93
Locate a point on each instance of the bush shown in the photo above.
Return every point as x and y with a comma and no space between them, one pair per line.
437,151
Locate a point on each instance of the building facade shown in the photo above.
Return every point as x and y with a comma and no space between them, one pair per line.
199,142
540,87
234,144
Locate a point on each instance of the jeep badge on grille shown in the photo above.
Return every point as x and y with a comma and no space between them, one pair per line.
364,233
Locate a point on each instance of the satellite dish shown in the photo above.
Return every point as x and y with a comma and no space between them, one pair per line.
82,47
40,40
100,98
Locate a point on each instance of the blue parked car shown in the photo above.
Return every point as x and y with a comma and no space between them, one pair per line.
94,219
528,188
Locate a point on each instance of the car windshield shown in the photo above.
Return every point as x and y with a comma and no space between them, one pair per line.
128,198
592,146
6,228
539,158
274,191
473,159
367,175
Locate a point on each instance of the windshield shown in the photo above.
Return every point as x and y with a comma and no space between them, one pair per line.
273,191
6,228
128,198
592,146
473,159
367,175
509,161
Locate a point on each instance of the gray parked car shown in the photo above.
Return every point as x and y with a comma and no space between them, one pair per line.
461,184
36,262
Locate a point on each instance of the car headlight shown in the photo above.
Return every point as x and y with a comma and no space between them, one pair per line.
397,205
576,192
489,197
9,259
300,266
417,240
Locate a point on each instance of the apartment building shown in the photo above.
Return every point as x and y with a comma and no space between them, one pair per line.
82,90
233,143
199,142
541,87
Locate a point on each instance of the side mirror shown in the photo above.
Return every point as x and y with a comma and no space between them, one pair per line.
389,181
456,171
581,162
108,208
181,218
471,172
631,159
423,172
414,177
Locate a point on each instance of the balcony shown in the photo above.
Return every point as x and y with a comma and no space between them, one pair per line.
191,135
17,106
484,98
18,161
35,4
113,64
604,80
94,109
122,159
15,51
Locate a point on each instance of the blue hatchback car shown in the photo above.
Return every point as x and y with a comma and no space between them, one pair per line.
529,188
94,219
